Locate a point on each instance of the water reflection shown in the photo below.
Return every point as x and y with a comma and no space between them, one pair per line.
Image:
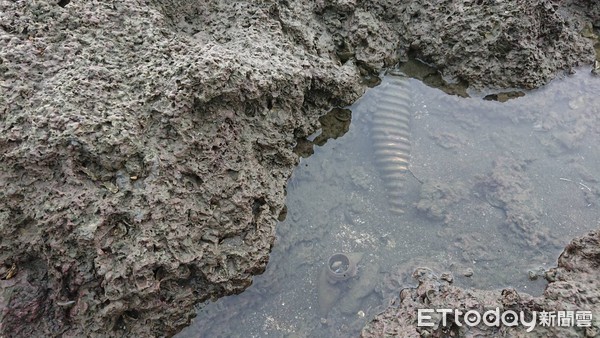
501,188
334,124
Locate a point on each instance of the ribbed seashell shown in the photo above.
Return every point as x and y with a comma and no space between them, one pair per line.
391,136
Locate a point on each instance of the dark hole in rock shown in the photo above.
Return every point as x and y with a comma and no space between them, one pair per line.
193,179
63,3
159,273
134,314
258,202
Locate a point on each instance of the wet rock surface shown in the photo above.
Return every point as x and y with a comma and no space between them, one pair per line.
485,43
145,146
573,286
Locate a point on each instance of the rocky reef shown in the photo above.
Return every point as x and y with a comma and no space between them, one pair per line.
145,145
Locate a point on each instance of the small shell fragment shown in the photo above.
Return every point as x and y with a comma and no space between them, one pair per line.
111,187
11,272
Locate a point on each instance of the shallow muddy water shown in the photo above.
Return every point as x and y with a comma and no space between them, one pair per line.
494,192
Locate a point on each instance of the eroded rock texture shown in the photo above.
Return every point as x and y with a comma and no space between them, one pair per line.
145,145
497,43
143,164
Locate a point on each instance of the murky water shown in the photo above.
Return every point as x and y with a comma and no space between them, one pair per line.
495,191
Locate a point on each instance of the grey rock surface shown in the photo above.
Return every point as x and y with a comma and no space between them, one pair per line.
145,145
585,10
144,163
485,43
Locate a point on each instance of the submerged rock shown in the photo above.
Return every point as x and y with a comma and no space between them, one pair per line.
573,286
